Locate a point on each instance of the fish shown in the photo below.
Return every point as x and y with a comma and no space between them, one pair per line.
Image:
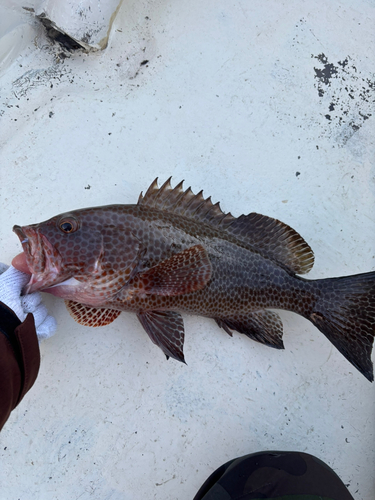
177,252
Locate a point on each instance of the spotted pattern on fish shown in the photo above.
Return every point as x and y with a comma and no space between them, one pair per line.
177,252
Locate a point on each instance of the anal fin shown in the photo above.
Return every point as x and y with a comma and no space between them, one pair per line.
263,326
91,316
166,330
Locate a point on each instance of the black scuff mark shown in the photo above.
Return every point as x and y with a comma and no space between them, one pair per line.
325,74
38,78
87,37
347,96
55,35
143,64
365,117
343,63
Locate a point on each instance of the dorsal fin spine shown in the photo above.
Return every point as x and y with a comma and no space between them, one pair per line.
195,203
171,198
164,189
186,194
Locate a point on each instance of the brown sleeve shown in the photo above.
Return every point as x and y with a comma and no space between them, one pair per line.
19,359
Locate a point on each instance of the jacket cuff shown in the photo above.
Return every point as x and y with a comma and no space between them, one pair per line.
24,342
30,353
9,321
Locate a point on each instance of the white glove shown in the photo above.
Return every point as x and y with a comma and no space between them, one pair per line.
11,284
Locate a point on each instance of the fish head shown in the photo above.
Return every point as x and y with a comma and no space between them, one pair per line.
77,256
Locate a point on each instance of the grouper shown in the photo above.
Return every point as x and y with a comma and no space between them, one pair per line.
175,252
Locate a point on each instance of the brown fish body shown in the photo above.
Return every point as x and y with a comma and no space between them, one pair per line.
242,279
175,251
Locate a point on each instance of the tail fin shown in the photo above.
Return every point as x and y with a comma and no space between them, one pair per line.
345,313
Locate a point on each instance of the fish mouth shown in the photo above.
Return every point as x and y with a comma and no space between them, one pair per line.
42,259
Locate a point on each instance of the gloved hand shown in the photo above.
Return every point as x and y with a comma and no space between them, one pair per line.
11,283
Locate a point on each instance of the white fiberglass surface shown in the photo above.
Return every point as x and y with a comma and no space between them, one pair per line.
267,107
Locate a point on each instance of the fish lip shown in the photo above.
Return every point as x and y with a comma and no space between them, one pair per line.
27,237
42,259
24,242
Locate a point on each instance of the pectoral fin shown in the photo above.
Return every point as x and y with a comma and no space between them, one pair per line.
263,326
184,272
91,316
166,330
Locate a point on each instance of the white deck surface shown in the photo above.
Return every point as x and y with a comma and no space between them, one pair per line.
269,107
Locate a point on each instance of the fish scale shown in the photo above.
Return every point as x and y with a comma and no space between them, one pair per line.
175,252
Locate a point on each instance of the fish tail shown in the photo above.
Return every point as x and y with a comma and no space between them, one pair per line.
345,312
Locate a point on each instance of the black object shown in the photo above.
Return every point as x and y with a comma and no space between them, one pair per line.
282,475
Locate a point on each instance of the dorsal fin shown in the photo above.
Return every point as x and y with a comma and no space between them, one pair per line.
275,240
270,237
185,203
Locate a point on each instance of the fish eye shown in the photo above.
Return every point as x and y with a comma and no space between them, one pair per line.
68,225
